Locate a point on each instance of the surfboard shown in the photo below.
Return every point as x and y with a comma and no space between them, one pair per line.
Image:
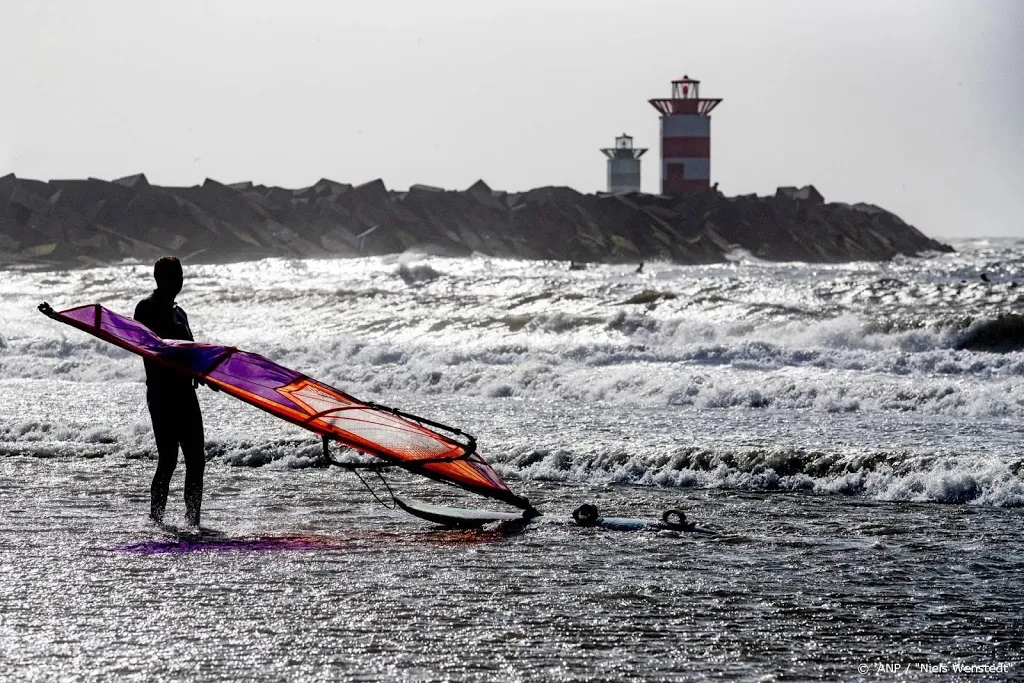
636,524
455,518
466,518
587,515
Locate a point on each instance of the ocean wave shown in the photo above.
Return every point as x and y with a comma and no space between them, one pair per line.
889,476
762,364
877,475
827,367
1004,333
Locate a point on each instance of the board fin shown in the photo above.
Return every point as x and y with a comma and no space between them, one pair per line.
457,518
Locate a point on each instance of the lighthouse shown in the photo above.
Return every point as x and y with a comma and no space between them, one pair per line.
623,165
685,138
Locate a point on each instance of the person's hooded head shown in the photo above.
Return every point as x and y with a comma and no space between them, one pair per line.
169,276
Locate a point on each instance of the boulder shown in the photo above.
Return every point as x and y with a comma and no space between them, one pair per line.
135,182
807,193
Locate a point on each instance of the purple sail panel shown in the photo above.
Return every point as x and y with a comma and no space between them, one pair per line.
128,330
258,378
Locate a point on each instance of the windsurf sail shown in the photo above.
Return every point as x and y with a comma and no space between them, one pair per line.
398,438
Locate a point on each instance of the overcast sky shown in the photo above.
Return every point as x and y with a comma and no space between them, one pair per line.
915,105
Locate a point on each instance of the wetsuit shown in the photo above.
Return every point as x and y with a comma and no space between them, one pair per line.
174,410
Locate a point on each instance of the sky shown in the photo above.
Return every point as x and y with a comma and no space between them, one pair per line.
914,105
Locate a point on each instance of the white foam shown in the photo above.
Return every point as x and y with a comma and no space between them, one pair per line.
748,354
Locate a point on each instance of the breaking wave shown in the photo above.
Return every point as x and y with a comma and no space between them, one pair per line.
1004,333
838,365
745,376
891,476
880,475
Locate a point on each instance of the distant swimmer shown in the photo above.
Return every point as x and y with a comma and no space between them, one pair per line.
984,277
171,397
577,266
640,268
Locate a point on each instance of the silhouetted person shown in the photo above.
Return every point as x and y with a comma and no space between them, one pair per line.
640,268
171,398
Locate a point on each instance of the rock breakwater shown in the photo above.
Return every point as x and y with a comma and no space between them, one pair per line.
68,223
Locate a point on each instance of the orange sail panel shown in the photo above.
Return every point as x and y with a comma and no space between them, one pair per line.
293,396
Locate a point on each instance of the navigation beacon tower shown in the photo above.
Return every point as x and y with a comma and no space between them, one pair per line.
623,165
685,138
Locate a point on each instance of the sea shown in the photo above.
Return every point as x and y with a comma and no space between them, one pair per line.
852,432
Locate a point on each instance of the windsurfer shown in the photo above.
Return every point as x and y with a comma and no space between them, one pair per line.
397,438
171,397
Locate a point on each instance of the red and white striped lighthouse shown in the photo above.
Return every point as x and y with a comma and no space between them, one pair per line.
685,138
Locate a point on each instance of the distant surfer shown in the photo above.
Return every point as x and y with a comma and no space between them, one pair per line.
640,268
171,397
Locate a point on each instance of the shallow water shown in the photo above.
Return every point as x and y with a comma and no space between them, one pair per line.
863,468
309,581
